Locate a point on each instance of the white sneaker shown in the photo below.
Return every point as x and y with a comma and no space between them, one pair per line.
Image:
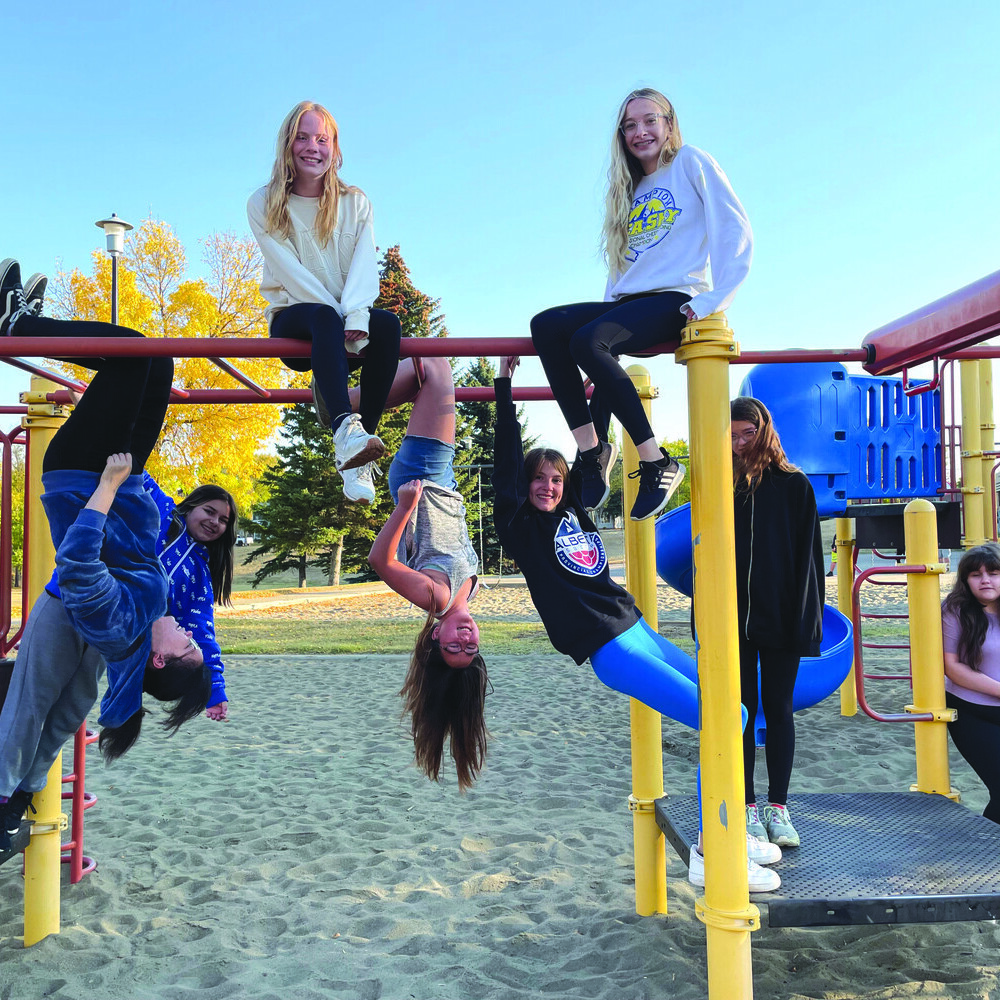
760,879
353,445
762,851
359,486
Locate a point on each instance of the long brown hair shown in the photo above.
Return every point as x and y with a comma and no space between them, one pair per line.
972,619
444,702
764,452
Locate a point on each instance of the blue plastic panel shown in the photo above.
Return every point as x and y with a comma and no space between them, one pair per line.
857,437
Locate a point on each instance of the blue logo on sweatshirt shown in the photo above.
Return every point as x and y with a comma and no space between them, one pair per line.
579,551
652,217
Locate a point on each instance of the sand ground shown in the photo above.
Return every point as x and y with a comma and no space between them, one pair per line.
295,851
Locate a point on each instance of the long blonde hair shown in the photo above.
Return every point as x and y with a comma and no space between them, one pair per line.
279,187
623,176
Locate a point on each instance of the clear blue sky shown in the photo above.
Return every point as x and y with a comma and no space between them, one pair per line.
861,137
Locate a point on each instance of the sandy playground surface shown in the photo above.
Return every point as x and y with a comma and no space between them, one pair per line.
296,852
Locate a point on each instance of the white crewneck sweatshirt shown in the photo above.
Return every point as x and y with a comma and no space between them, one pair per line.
686,218
343,274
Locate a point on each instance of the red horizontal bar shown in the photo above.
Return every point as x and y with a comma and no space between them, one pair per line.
246,347
951,323
288,397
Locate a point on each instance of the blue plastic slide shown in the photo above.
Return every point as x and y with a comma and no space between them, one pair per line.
819,676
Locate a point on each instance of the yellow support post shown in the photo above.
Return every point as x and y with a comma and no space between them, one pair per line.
845,583
986,443
707,346
646,729
923,592
42,856
972,466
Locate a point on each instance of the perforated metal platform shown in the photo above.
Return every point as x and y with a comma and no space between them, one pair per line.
871,858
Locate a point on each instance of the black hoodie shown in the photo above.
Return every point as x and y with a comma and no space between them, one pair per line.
560,554
780,560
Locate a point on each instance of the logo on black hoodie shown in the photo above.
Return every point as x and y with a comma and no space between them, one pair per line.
579,551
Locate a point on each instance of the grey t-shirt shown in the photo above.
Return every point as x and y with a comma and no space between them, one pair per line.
436,537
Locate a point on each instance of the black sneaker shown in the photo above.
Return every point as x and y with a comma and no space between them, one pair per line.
12,305
12,810
34,293
593,469
658,481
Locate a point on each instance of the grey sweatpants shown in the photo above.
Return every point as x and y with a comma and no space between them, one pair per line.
53,688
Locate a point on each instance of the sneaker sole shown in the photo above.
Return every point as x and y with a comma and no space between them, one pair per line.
34,292
678,479
371,452
787,842
607,488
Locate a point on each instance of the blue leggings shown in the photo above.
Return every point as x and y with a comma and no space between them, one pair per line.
643,665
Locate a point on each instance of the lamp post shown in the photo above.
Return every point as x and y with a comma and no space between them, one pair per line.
114,231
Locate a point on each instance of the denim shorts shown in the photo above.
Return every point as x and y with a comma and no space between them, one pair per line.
422,458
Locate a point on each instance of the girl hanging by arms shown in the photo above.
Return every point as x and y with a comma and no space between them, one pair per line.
545,528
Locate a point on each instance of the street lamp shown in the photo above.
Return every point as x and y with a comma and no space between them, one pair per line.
114,231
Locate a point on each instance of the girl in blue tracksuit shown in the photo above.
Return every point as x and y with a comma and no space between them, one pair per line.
196,549
109,616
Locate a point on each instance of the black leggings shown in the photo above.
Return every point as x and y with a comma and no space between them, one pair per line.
976,735
122,409
590,335
778,670
331,363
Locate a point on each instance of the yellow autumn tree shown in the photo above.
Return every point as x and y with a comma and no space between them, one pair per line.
218,443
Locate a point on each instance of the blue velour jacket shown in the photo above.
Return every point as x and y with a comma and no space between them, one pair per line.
110,578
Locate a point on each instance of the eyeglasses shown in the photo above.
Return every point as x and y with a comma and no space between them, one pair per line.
648,122
746,437
469,648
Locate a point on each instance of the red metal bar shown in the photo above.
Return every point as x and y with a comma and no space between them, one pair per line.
240,377
6,554
288,397
72,850
955,322
859,672
270,347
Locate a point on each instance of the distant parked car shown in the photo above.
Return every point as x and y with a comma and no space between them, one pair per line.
244,539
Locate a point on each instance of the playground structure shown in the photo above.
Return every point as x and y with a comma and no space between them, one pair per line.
707,349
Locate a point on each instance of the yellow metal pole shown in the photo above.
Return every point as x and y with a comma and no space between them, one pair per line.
647,735
845,582
926,653
972,466
41,858
706,348
986,433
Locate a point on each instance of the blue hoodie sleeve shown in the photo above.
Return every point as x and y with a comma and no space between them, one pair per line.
101,609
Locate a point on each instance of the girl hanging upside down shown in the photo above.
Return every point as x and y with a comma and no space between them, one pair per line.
110,615
424,554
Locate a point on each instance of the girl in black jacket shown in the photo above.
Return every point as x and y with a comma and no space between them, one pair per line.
780,594
544,527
